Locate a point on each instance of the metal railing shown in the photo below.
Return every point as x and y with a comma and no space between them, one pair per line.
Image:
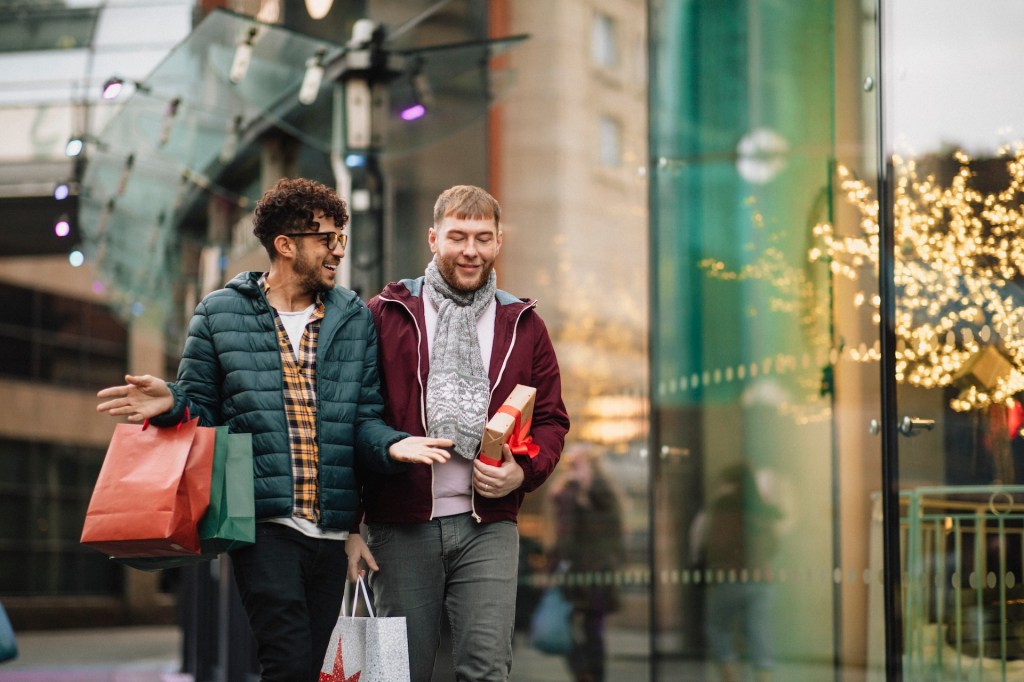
963,590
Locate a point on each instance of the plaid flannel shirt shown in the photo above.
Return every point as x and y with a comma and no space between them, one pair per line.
300,409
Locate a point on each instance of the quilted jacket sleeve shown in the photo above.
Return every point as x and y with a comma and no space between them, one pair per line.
373,436
198,385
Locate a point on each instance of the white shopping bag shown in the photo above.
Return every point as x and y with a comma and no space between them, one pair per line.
368,649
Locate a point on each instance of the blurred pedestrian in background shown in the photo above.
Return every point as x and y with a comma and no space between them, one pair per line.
737,535
589,546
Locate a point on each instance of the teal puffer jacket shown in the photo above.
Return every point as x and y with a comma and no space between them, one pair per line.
230,374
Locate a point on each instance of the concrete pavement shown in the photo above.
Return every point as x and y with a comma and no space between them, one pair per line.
137,654
152,654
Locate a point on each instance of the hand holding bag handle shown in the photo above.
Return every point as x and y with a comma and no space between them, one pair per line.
360,586
376,649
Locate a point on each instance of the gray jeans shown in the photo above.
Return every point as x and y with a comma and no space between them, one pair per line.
458,566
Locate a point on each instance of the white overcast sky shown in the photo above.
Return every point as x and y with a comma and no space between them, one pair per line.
957,73
956,67
132,37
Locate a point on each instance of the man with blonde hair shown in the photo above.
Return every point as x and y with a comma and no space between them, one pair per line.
444,535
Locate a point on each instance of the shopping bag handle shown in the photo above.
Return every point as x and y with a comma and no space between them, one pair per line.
184,419
360,586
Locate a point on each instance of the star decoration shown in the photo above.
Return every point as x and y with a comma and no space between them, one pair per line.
338,672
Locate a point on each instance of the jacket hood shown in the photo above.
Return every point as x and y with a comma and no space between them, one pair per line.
248,284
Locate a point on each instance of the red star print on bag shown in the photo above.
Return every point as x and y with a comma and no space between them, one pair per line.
338,672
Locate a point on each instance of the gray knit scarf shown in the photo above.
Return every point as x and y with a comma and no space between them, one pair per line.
458,389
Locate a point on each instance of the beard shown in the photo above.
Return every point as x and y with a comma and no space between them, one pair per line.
311,277
450,273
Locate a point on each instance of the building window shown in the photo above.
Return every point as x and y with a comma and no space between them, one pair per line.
44,492
59,340
604,42
24,28
610,142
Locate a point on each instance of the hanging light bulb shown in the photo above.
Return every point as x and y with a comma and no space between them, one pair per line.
230,146
318,9
125,173
75,145
62,228
61,191
112,88
104,218
407,103
169,114
270,11
181,192
243,55
313,77
414,97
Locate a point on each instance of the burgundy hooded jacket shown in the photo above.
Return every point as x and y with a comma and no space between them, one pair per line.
522,354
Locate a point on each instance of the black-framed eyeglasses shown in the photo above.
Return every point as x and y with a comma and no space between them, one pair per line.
333,238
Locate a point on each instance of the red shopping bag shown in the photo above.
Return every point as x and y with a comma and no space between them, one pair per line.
152,491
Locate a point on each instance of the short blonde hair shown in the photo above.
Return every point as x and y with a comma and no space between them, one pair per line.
467,202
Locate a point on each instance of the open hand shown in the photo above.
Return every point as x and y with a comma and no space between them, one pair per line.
421,450
142,397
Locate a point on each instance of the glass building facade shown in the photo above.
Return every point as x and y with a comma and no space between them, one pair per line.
835,302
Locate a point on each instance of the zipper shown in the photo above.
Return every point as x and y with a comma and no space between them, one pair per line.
423,391
511,345
501,372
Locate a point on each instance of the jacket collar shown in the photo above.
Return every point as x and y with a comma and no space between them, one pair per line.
410,292
341,299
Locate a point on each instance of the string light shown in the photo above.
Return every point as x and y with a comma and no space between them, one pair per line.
958,321
957,250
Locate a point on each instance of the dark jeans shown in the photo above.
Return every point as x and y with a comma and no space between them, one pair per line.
291,586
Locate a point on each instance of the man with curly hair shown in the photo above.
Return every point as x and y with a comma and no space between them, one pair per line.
290,357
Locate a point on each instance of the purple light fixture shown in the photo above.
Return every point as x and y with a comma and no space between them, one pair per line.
413,112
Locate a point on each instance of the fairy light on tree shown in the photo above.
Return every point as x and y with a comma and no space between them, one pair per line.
959,319
958,267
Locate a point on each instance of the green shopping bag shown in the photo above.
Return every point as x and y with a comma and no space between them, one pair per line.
229,522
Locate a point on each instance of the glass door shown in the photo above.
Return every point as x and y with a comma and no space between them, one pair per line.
950,197
766,517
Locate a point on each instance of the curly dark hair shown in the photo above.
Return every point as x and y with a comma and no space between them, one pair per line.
289,206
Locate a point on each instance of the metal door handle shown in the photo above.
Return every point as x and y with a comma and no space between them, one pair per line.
911,426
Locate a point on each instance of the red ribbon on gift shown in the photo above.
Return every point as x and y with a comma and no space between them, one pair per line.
521,442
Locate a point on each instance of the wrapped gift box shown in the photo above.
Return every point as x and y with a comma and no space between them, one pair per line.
500,427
